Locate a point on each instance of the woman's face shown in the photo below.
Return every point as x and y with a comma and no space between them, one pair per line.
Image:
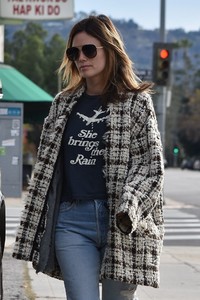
89,68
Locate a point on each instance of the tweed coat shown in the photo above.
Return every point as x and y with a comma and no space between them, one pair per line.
134,180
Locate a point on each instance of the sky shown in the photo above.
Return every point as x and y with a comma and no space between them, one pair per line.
183,14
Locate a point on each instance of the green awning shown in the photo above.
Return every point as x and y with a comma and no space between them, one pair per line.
16,87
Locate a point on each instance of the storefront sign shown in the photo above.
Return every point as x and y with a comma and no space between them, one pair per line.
36,9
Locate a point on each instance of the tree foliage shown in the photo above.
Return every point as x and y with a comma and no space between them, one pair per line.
189,124
35,57
183,118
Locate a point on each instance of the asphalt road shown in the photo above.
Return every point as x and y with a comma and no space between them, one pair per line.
182,222
183,186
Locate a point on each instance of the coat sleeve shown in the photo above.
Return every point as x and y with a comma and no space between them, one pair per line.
144,184
30,227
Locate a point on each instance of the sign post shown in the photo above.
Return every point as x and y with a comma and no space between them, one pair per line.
1,43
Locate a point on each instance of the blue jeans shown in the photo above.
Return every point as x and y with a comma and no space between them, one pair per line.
80,242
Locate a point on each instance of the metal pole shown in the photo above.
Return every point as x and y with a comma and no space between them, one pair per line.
162,21
161,100
1,43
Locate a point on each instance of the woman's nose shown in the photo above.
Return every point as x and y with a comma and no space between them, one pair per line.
81,56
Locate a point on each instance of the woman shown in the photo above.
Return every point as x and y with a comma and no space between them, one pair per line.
94,207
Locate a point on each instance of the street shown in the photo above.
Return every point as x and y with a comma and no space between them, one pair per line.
182,223
183,186
180,260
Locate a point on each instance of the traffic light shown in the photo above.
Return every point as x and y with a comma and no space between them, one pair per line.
162,55
176,150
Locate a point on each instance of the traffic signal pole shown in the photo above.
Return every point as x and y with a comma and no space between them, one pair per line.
162,90
162,21
161,75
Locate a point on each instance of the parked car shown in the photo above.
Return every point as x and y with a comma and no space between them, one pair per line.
196,165
190,163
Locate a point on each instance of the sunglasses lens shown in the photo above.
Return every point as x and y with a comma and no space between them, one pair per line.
89,50
72,53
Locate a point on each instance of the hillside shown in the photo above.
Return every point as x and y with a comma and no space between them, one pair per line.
138,41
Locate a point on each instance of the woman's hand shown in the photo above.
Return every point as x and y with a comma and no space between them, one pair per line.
124,222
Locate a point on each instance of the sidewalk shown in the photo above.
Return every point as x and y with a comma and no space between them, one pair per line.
180,273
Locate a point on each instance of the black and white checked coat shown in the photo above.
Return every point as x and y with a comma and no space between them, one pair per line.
134,178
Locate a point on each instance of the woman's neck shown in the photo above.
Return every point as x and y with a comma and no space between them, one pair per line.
93,88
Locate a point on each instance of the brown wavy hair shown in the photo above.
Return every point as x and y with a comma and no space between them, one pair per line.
119,76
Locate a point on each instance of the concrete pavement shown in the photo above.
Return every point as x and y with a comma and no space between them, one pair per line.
180,273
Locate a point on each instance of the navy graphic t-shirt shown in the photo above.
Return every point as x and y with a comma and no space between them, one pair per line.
83,148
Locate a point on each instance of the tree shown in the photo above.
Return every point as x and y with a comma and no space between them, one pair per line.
35,57
183,114
53,55
189,124
26,52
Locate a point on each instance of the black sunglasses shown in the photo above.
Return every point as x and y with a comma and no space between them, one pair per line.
89,51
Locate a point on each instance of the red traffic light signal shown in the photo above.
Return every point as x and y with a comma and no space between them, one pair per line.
162,63
164,53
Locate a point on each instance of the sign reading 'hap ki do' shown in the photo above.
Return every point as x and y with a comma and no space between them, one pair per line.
36,9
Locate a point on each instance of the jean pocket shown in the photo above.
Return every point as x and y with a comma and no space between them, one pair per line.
66,206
